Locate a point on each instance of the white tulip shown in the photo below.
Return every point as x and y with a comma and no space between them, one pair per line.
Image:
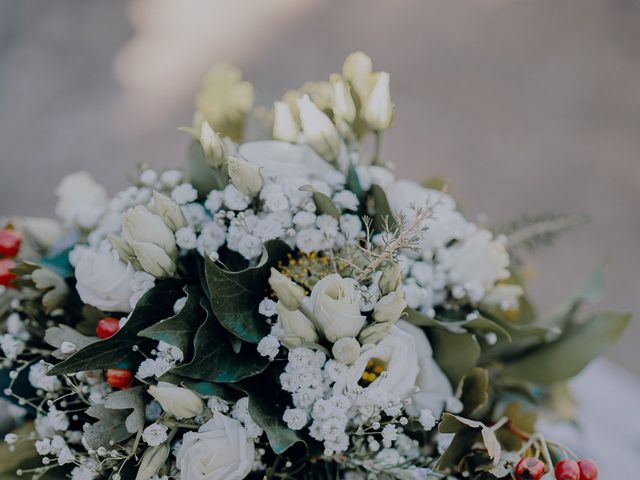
336,307
245,176
177,401
285,126
389,308
141,225
168,210
212,146
295,324
288,292
378,108
319,131
343,105
346,350
153,259
219,450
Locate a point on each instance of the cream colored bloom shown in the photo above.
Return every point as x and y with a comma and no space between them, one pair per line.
244,175
290,294
177,401
168,210
141,225
285,126
295,324
343,105
319,131
378,108
346,350
389,308
212,146
357,69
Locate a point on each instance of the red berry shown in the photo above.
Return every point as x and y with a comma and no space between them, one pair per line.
529,468
119,377
9,243
567,470
588,469
6,277
107,327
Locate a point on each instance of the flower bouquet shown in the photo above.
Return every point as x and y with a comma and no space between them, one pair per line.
284,309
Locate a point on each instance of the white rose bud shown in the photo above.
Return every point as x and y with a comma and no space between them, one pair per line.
389,308
336,306
357,69
245,176
391,278
152,461
375,332
346,350
125,252
285,126
153,259
141,225
291,341
296,324
378,108
177,401
212,146
289,293
319,131
168,210
343,105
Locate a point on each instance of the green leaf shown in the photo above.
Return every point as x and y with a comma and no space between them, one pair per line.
475,390
58,263
235,295
214,359
381,209
109,427
129,399
566,357
480,324
203,176
56,336
353,181
267,412
456,353
467,432
324,204
207,389
116,351
180,329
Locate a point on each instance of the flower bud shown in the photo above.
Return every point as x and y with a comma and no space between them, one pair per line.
346,350
378,108
168,210
290,294
177,401
141,225
319,131
375,332
153,459
389,308
245,176
291,341
343,106
212,146
285,126
294,323
357,69
153,259
391,278
125,252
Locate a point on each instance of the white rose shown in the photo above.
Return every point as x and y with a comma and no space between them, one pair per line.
81,201
141,225
177,401
389,308
220,450
103,280
336,306
285,160
434,385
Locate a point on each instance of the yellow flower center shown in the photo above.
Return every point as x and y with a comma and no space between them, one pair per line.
375,367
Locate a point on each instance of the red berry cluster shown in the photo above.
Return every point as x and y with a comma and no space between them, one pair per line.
10,241
116,377
531,468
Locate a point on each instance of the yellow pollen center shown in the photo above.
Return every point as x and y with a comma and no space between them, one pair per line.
375,367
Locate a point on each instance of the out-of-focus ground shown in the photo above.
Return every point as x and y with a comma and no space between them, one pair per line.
524,105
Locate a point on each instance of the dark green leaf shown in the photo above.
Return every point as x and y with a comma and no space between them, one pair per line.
324,205
478,324
215,361
235,295
475,392
116,351
203,388
567,356
180,329
381,209
353,182
456,353
109,427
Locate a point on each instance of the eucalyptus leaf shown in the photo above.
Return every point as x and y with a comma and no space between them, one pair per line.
129,399
116,351
235,295
475,392
455,353
109,427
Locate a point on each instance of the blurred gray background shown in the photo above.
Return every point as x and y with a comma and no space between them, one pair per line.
524,105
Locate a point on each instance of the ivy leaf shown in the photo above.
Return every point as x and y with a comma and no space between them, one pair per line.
129,399
235,295
475,388
180,329
324,204
214,359
456,353
567,356
116,351
109,427
266,411
56,336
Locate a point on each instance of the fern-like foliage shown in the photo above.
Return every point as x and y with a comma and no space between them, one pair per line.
532,232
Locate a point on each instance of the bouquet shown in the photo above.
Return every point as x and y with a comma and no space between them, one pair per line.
285,309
